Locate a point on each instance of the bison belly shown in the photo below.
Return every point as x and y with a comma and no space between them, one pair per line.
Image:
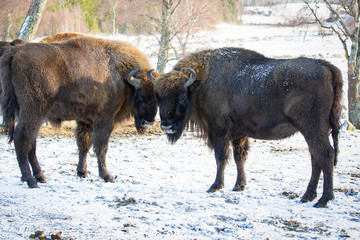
263,127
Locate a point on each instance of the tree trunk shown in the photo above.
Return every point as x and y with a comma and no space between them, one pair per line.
354,81
7,26
32,20
164,38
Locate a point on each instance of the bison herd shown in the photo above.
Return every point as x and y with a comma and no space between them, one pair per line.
228,95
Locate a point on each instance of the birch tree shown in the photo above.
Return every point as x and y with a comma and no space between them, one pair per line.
345,32
32,20
171,18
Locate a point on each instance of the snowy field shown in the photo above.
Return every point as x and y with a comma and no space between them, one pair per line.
160,191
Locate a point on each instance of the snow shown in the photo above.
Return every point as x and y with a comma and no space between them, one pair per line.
160,191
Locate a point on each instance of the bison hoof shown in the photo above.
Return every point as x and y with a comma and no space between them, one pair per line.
109,178
40,177
323,201
82,174
215,188
239,187
32,183
308,197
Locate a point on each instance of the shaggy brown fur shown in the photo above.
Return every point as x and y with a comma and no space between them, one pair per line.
83,79
239,93
54,38
5,46
60,37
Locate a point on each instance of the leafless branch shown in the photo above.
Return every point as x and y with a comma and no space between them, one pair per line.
340,33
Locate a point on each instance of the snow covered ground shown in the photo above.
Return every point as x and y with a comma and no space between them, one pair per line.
160,191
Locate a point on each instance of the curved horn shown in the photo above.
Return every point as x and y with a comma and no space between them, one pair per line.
192,78
132,80
150,76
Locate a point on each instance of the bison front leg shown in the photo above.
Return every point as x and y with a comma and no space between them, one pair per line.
101,140
240,148
221,148
83,139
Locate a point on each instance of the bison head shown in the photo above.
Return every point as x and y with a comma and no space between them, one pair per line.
142,99
174,91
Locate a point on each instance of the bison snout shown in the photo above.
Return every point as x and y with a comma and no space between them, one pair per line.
167,127
146,124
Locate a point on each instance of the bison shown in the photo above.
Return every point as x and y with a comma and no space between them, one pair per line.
232,94
96,82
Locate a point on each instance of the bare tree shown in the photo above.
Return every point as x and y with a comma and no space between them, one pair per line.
346,29
32,20
11,12
196,15
176,20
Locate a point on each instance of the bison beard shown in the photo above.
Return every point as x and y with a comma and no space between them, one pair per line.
233,94
96,82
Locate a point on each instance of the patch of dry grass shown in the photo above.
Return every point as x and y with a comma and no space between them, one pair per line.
68,130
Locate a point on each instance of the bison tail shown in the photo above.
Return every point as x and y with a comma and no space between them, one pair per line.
9,102
336,108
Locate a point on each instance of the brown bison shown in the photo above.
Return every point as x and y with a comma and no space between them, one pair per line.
231,94
96,82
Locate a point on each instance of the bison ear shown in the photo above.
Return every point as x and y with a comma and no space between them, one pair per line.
132,80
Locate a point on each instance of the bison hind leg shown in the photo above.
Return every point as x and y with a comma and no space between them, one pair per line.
240,148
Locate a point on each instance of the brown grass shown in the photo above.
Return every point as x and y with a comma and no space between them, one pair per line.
68,130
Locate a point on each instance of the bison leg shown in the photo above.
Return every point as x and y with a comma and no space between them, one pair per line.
23,136
327,165
83,139
37,173
221,148
322,157
311,193
240,148
101,137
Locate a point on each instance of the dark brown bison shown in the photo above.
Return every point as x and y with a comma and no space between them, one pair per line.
231,94
96,82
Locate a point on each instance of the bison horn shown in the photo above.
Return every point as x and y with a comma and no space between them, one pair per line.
192,78
132,80
150,76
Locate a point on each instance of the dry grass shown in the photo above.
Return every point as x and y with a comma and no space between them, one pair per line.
68,130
